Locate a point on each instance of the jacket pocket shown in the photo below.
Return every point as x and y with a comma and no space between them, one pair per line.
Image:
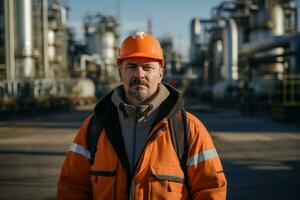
103,177
166,182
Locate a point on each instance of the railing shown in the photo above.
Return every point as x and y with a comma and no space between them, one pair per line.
286,91
291,90
36,88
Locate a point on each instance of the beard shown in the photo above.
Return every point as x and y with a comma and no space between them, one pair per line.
139,89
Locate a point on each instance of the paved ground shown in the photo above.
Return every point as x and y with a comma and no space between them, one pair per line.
261,158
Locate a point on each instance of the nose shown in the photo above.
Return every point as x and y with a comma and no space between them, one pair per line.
139,73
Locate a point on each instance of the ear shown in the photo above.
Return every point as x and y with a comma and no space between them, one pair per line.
161,73
120,72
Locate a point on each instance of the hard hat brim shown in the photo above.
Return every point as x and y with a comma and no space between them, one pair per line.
140,55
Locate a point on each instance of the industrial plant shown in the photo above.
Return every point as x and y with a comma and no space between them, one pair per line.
42,66
246,55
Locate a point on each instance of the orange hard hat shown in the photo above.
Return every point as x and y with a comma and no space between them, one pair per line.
140,45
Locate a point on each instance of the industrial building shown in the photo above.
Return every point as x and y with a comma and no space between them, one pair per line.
33,54
98,63
248,54
40,64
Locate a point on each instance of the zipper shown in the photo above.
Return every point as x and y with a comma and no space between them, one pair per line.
134,140
150,139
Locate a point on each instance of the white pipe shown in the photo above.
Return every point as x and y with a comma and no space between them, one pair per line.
234,62
92,58
249,49
195,39
230,57
45,39
10,39
24,39
62,11
24,26
278,18
63,18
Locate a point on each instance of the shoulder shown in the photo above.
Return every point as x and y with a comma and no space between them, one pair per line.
86,122
194,121
81,137
195,126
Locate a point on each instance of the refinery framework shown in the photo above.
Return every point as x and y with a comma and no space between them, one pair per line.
246,55
42,66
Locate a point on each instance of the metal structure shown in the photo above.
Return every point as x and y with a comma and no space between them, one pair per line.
34,54
253,45
196,41
101,37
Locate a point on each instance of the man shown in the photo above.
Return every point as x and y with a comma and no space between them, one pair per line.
135,157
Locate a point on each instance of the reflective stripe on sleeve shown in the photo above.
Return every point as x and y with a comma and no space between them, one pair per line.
80,149
193,160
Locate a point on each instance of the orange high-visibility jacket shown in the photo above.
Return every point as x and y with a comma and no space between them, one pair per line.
158,174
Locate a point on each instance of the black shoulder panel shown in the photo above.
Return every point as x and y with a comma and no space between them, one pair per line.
93,134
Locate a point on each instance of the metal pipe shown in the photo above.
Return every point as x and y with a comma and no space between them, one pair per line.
277,41
92,58
45,39
9,39
278,19
24,39
230,58
63,13
196,40
224,7
61,34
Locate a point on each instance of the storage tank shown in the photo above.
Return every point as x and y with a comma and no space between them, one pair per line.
84,91
51,48
266,22
108,43
101,37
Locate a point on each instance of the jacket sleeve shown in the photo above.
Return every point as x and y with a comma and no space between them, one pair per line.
205,173
74,180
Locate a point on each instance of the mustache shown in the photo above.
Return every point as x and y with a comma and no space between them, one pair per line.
138,82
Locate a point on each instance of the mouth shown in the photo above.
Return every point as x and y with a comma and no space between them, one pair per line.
139,87
139,83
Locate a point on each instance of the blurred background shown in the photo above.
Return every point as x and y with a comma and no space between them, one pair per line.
236,62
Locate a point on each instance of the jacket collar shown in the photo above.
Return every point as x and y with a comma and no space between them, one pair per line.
140,112
168,107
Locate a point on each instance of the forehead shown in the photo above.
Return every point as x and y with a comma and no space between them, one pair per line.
140,62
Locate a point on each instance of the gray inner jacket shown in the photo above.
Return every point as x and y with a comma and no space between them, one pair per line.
136,121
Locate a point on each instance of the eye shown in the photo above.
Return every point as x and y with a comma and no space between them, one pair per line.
147,67
130,66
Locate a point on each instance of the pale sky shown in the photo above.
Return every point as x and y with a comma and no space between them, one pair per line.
169,17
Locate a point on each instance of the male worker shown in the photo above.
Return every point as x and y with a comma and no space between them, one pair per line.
135,156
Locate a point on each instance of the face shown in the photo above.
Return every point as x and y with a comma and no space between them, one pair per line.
140,79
